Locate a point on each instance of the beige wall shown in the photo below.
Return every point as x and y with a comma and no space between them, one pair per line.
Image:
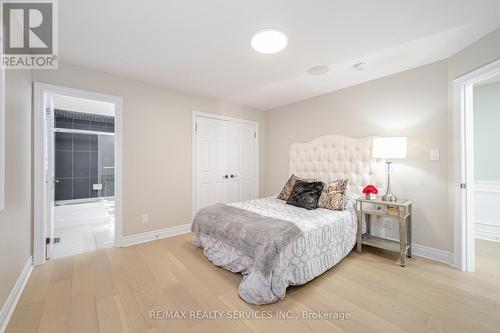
157,142
412,104
417,104
15,219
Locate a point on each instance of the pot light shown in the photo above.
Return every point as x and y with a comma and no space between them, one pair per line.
318,70
269,41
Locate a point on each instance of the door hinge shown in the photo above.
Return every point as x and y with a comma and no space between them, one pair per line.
255,135
47,111
196,127
47,242
463,186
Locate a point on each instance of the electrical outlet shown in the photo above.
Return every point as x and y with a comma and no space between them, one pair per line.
435,155
145,218
387,225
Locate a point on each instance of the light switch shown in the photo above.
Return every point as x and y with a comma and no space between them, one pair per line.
434,154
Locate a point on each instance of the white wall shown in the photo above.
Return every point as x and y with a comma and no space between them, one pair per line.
487,160
487,131
15,219
487,201
156,141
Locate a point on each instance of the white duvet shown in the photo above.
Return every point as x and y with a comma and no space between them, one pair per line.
328,236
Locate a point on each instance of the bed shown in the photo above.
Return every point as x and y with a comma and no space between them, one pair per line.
325,236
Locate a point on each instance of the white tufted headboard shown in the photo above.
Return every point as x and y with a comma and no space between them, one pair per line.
331,157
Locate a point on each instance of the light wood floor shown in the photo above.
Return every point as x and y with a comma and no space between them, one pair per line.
113,290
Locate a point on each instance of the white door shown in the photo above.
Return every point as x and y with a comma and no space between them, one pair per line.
225,161
211,160
242,138
49,176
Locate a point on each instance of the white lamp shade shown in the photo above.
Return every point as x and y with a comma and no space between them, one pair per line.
389,147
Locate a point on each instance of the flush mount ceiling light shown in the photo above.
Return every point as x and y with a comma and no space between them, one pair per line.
269,41
318,70
360,66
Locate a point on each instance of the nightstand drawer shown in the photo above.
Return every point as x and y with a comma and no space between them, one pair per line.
380,209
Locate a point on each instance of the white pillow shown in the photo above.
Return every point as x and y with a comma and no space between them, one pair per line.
350,199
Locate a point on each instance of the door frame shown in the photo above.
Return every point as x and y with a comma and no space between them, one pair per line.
463,165
39,216
196,114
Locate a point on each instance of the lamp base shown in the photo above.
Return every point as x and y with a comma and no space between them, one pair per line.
389,197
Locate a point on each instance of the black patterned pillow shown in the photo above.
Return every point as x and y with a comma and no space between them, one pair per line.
305,194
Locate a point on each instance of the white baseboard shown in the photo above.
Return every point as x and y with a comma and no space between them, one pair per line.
11,302
433,254
488,230
156,234
418,250
488,235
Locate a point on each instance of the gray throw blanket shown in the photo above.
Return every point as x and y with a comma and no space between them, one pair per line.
259,237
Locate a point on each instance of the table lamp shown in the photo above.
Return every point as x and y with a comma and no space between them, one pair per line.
389,148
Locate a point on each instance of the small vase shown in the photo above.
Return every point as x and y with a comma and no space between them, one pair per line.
371,196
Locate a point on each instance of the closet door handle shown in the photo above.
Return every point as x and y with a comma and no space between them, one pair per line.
225,176
233,176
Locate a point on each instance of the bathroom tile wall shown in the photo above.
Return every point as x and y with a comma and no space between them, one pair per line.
101,126
107,165
82,160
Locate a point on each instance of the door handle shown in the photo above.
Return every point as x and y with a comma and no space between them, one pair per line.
225,176
56,181
233,176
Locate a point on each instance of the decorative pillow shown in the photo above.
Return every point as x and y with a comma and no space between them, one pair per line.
287,189
350,200
305,194
332,196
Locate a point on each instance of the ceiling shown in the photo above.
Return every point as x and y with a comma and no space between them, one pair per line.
204,46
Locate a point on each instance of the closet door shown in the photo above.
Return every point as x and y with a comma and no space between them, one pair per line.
211,162
242,161
225,161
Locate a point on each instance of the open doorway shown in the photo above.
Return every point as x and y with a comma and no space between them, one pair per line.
477,168
486,118
84,174
77,172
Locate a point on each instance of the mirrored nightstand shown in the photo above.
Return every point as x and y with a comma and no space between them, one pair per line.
400,210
